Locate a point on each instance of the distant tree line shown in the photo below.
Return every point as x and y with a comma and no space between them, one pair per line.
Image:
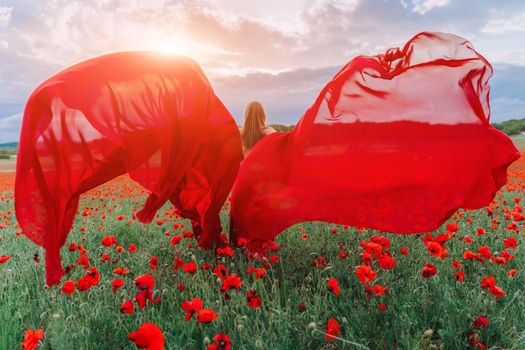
6,153
511,127
282,127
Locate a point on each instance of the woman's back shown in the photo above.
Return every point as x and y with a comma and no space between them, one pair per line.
255,127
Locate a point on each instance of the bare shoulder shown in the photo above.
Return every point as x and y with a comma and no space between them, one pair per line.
269,130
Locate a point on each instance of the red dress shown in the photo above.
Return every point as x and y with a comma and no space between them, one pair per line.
153,116
395,142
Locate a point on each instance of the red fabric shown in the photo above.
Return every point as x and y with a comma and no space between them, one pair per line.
396,142
153,116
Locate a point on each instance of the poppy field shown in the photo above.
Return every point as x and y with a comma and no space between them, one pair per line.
320,286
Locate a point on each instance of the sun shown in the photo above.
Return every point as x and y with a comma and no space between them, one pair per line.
169,46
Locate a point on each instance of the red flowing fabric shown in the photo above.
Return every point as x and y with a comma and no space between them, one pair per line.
395,142
153,116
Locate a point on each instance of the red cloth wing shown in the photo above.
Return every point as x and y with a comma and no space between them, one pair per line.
396,142
151,115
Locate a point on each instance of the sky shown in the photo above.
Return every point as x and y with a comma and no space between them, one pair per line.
280,52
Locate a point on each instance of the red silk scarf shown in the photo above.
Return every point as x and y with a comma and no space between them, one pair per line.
395,142
153,116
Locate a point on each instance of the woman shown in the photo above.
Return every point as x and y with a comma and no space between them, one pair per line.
255,127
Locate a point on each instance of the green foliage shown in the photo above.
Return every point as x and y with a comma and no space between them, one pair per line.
6,153
91,320
511,127
282,127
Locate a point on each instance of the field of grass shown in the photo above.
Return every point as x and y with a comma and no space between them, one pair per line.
413,313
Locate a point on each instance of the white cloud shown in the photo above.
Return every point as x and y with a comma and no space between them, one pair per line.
10,128
515,23
504,108
5,16
231,39
423,6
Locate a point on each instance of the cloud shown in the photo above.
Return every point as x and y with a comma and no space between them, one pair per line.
505,108
5,16
515,23
507,86
250,50
423,6
10,128
285,95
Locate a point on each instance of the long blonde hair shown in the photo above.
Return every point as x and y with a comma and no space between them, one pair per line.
254,124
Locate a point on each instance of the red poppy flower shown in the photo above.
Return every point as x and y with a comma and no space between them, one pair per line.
108,241
191,307
475,342
222,342
332,329
387,262
206,316
377,289
485,252
32,338
127,307
506,255
225,251
469,255
176,240
373,248
434,249
146,295
190,267
153,262
231,282
259,272
148,337
179,263
460,276
92,278
301,307
497,292
365,273
381,307
4,258
488,282
467,239
132,248
68,287
319,261
457,265
481,231
253,300
428,271
452,227
342,255
510,243
333,285
116,284
481,321
72,247
220,271
404,251
144,282
366,258
512,272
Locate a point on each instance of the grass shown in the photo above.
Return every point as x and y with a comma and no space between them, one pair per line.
91,319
